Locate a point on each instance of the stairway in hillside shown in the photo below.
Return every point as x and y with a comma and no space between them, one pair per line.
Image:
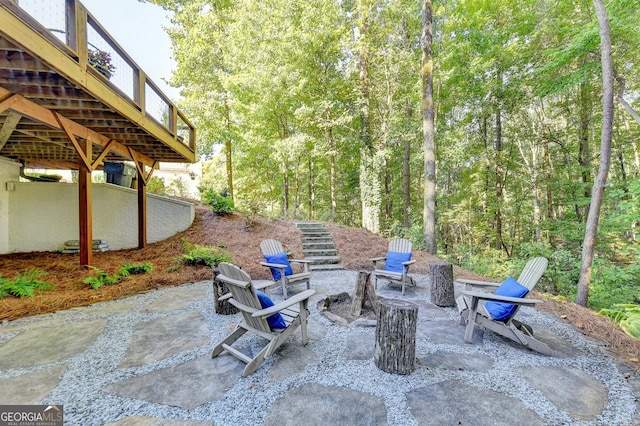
317,245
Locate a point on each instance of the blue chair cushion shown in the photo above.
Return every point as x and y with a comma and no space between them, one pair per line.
280,259
276,320
502,311
394,261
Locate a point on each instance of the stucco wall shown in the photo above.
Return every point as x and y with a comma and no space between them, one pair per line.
9,173
42,216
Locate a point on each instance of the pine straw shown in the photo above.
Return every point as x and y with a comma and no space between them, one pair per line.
241,237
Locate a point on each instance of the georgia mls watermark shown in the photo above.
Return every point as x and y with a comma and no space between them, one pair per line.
31,415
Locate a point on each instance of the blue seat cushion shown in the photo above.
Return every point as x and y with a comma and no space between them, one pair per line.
394,261
502,311
279,259
276,320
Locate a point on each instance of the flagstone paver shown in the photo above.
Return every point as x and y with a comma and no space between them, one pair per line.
48,345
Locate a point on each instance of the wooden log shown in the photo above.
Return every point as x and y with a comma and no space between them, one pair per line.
364,292
395,347
222,307
442,291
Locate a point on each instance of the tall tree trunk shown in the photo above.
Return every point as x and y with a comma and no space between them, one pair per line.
228,147
369,176
332,175
499,243
428,129
584,156
311,189
597,193
406,175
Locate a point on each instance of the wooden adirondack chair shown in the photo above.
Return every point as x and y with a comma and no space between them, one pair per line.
242,295
473,309
276,260
396,264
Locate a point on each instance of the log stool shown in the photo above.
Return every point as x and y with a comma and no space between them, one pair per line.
395,349
442,291
222,307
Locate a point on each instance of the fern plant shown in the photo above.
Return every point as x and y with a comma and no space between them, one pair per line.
24,284
102,278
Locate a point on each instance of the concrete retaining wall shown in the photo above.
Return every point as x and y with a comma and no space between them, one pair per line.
42,216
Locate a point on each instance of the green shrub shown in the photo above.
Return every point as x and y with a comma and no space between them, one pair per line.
102,278
626,316
203,255
23,285
220,204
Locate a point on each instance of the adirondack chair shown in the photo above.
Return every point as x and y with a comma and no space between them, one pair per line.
495,310
396,264
260,316
280,265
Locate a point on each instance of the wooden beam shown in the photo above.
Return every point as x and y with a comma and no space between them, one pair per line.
8,99
57,121
74,142
10,124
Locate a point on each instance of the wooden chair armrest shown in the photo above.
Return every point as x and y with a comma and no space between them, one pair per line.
225,297
273,265
284,304
481,295
469,283
300,261
239,283
409,262
377,259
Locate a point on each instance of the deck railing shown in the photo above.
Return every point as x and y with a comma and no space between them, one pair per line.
75,30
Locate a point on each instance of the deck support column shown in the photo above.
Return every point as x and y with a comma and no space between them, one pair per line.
85,203
142,209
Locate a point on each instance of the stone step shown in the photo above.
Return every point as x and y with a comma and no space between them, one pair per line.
320,252
318,245
321,260
326,267
309,225
319,234
309,238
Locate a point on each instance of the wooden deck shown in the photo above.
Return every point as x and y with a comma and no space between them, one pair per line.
49,91
58,111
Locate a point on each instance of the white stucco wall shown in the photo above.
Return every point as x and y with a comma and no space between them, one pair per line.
43,215
9,173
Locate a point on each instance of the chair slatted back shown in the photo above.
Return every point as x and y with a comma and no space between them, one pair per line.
400,245
532,272
244,293
270,247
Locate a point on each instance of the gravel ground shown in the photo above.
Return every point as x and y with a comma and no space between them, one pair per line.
248,400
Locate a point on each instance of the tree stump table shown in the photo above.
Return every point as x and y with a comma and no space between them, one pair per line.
395,348
442,290
222,307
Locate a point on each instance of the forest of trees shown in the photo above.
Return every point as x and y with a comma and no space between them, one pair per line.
313,110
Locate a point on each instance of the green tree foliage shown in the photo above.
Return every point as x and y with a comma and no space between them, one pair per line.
307,109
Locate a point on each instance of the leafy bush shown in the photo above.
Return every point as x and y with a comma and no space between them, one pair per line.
220,204
23,285
203,255
102,278
626,316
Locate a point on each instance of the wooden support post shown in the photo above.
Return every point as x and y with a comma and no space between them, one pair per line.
142,210
395,348
222,307
85,203
442,291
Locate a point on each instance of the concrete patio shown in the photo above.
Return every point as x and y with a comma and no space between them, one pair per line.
145,360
